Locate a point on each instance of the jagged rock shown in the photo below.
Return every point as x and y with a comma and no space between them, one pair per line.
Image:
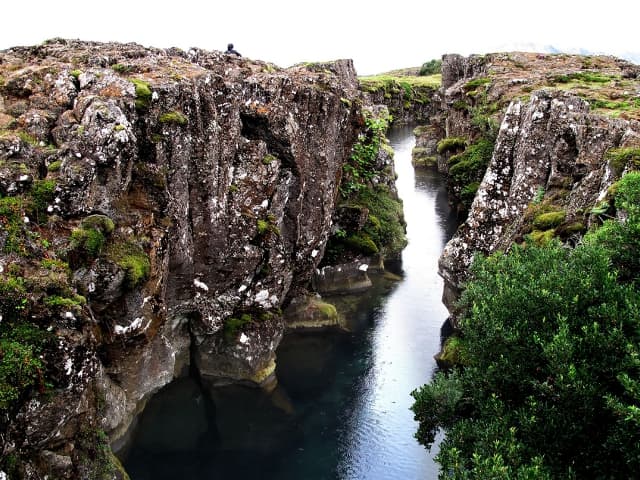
550,144
344,278
220,175
311,313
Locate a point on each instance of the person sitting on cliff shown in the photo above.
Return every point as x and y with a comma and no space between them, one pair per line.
231,51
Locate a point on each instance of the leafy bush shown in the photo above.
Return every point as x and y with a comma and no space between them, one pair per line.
431,67
551,382
466,169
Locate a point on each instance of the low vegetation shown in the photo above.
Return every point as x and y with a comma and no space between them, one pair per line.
550,386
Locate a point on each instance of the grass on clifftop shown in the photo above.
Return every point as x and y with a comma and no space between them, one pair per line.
375,82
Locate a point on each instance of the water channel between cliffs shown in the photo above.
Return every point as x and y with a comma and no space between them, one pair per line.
341,410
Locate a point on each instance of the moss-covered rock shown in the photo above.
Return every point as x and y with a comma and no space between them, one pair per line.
545,221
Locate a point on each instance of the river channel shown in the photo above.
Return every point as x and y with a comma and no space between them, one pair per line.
342,407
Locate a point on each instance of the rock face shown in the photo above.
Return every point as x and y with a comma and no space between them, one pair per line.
219,176
550,156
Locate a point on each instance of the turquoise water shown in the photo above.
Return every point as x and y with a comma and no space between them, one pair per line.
341,410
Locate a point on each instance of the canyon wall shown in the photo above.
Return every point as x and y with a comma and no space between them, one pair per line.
159,208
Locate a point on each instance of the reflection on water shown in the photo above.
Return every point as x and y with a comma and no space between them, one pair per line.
341,410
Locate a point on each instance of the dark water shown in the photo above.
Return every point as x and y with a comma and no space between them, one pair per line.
341,410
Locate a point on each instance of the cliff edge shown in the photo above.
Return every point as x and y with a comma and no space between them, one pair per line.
158,207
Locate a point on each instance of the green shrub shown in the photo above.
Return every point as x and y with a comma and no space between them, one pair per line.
431,67
551,347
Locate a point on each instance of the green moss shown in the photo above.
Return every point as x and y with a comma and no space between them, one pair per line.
421,157
233,326
56,301
120,68
87,242
263,226
390,84
468,192
11,209
475,83
450,144
585,77
54,166
27,138
143,93
95,458
327,310
571,229
98,222
540,237
467,169
132,259
42,194
452,352
620,158
545,221
75,73
173,117
268,159
119,128
361,243
20,372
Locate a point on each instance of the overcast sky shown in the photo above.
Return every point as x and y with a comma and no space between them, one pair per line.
377,35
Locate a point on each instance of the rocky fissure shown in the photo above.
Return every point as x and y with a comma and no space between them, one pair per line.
562,130
189,197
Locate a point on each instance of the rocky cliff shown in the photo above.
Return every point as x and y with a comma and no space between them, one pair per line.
538,140
158,207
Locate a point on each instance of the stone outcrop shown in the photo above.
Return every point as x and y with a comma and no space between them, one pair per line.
551,149
189,196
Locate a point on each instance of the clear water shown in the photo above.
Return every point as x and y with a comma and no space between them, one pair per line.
341,410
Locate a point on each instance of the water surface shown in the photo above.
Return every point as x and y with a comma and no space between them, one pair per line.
341,410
